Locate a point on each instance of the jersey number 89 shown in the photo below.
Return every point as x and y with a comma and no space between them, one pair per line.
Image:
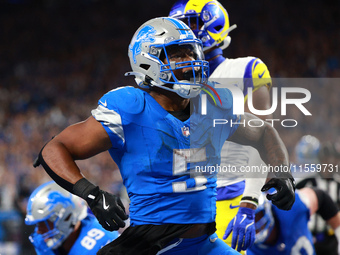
90,240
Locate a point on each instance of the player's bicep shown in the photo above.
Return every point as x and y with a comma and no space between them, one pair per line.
84,139
247,135
260,101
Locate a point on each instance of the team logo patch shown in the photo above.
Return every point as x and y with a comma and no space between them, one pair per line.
185,131
146,34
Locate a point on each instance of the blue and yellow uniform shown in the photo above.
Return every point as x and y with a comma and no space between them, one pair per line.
247,72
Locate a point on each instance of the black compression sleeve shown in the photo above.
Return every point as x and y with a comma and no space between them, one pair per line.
327,208
63,183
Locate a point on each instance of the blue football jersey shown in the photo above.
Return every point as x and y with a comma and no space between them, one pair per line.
294,235
167,165
91,238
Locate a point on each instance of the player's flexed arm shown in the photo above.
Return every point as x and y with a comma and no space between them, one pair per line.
274,153
81,141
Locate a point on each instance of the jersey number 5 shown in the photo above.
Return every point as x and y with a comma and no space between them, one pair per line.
181,158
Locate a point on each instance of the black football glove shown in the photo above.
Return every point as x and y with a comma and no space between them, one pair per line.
108,208
284,184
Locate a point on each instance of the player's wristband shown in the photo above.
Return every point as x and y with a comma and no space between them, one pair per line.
86,190
251,188
250,200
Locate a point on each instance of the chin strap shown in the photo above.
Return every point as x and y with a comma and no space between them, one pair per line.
140,79
185,91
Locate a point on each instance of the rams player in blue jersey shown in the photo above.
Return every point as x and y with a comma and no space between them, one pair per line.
209,21
63,225
286,232
166,145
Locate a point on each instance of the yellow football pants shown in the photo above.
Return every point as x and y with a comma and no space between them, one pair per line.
226,211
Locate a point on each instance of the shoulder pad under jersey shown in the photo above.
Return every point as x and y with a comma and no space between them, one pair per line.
260,74
124,99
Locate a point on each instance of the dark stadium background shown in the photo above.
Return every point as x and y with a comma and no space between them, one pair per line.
58,57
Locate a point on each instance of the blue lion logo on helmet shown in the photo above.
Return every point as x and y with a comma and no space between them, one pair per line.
146,34
55,198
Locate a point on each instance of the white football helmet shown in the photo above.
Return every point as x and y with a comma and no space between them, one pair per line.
151,45
52,205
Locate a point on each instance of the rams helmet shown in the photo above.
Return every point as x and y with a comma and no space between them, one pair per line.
207,18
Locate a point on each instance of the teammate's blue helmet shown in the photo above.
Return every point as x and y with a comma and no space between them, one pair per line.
58,211
207,18
153,42
264,220
307,150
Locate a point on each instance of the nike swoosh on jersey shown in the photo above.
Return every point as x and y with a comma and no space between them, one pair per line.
105,206
105,103
244,217
212,240
260,75
233,206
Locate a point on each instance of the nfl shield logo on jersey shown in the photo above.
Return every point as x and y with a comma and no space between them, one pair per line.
185,131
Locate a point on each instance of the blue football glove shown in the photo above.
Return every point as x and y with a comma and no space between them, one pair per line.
243,227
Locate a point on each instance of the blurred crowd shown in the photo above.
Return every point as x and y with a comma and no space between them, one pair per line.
58,57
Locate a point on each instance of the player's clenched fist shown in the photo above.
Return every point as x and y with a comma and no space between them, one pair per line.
284,184
108,208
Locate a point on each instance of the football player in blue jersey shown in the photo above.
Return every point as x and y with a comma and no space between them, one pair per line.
63,225
286,232
209,21
166,146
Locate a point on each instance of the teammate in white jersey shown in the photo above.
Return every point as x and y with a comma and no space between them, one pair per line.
210,22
